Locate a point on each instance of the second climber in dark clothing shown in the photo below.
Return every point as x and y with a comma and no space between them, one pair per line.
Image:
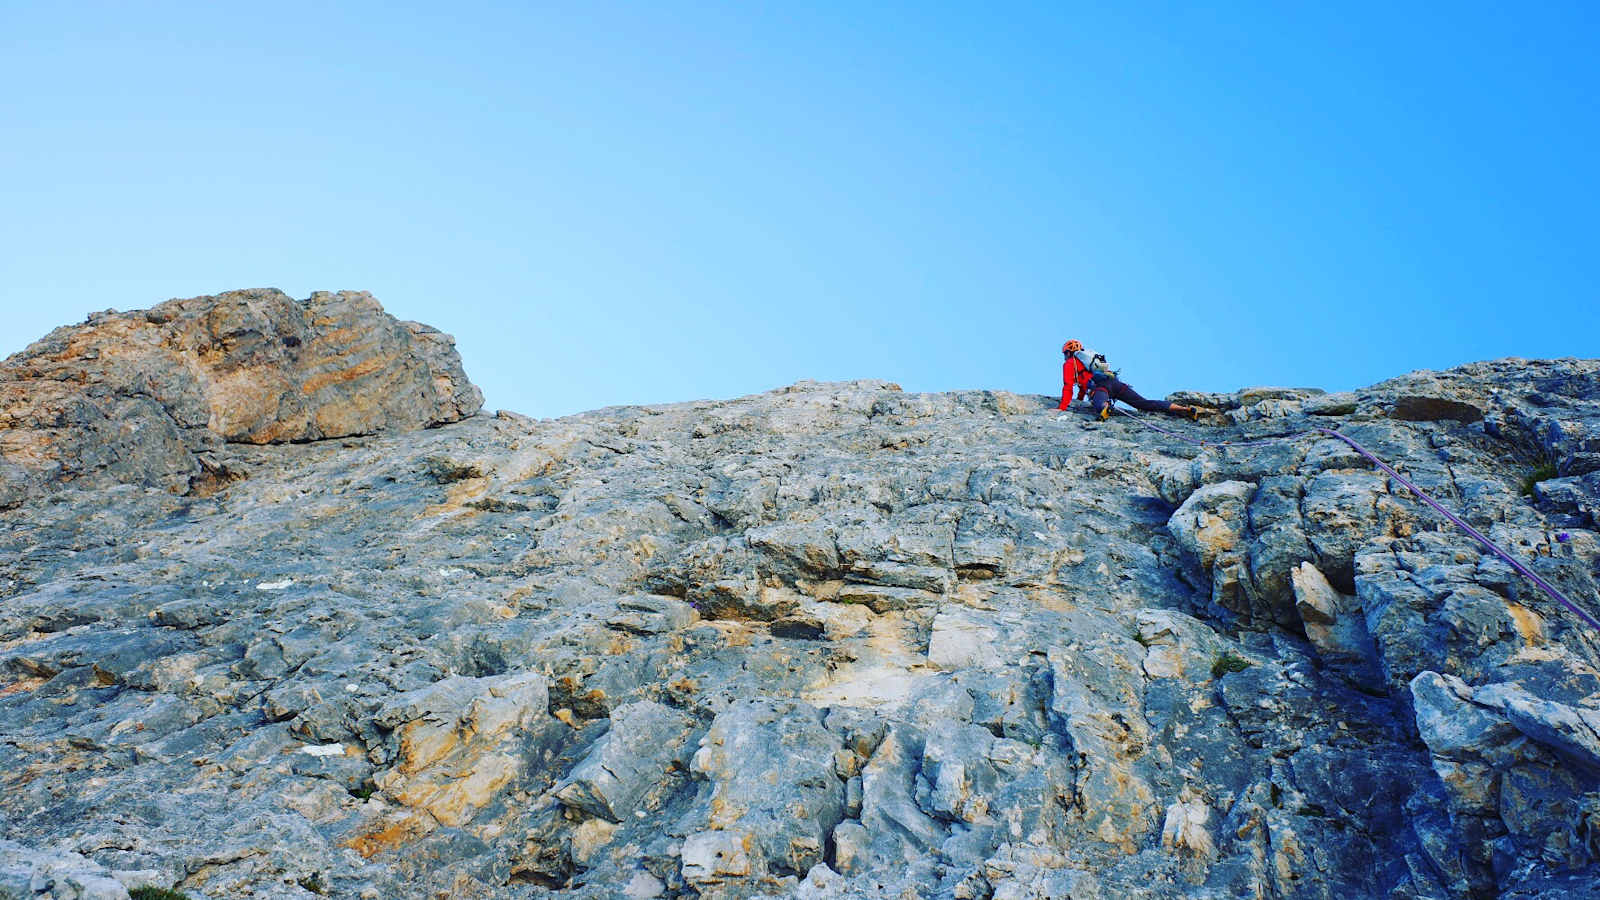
1088,372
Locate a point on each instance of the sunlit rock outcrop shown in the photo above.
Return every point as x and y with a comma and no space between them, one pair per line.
151,396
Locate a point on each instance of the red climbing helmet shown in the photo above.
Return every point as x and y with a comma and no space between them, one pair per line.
1072,346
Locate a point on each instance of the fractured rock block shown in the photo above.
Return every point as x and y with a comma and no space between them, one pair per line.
1345,511
982,557
713,856
1097,705
957,780
652,614
960,640
1510,761
1212,520
459,742
900,829
1177,645
1184,828
806,548
771,768
1024,872
922,578
28,873
1278,543
1336,626
881,599
645,741
851,846
927,546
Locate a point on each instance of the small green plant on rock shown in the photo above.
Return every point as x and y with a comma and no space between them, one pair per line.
1227,663
1542,472
313,883
155,893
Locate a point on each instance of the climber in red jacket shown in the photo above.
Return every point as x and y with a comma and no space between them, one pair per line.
1094,379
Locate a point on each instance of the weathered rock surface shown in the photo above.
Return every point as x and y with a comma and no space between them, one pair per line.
831,641
150,396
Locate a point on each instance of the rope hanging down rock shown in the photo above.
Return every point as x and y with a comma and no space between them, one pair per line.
1474,533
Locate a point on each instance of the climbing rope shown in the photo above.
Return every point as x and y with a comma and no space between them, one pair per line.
1476,535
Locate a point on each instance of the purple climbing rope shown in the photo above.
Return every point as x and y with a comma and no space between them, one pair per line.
1476,535
1421,495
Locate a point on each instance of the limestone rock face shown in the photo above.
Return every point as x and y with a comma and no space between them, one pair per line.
630,761
830,641
148,396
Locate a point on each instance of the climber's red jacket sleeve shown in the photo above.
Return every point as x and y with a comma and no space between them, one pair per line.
1073,372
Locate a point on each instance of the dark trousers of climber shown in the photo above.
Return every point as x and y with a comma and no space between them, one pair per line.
1101,395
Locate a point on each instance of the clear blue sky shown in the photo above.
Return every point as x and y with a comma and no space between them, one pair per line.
641,203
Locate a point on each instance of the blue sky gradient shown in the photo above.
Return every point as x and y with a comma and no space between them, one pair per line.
641,203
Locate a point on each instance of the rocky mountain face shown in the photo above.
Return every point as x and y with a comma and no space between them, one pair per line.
261,634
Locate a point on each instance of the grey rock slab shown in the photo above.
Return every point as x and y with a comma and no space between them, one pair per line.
958,779
881,599
1177,646
807,548
770,770
978,556
1338,403
1008,700
645,740
901,830
851,847
922,578
962,639
333,762
1278,545
653,615
1212,520
1343,512
27,873
1097,705
1571,731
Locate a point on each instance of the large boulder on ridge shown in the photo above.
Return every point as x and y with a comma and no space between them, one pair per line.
149,396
